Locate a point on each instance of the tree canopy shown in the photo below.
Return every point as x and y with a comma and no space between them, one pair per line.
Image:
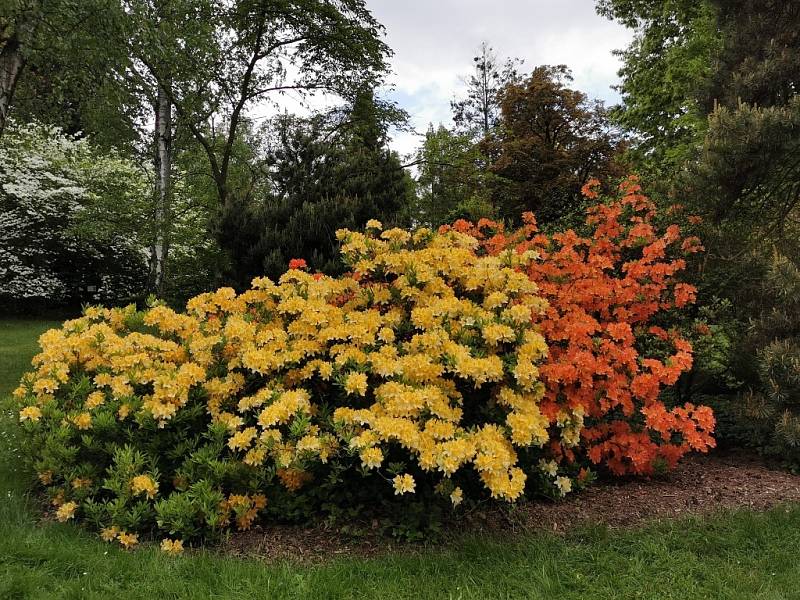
551,140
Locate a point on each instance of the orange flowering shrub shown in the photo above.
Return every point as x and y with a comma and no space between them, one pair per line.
607,356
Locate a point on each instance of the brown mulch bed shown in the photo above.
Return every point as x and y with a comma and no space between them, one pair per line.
700,485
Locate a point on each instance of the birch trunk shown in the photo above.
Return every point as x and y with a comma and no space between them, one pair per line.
163,190
11,65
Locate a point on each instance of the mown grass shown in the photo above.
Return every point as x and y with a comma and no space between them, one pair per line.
18,344
736,555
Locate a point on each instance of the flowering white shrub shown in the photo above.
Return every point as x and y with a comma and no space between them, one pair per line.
51,187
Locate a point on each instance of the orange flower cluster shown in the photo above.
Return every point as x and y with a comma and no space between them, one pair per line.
604,291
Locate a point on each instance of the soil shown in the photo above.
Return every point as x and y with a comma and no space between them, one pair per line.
700,485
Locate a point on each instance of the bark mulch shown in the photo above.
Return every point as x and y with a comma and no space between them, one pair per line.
700,485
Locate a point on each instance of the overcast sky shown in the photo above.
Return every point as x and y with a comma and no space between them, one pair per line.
434,42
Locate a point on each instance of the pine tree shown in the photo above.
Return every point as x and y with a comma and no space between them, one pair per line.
771,407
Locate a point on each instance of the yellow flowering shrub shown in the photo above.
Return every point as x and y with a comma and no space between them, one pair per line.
417,373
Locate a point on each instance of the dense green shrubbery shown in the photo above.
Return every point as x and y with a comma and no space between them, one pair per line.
767,413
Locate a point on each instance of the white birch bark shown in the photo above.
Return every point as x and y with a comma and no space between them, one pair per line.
163,190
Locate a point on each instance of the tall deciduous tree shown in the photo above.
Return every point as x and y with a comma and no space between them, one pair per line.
664,68
162,213
551,139
220,58
58,60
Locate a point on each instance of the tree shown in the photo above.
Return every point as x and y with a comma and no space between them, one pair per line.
769,404
731,69
57,60
759,63
550,141
451,183
327,172
671,55
688,57
478,113
219,58
61,244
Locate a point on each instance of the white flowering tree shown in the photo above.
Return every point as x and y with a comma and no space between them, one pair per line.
74,221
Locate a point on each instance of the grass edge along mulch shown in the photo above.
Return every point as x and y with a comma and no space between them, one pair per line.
704,485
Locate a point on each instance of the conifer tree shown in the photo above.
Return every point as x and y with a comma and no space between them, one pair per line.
327,172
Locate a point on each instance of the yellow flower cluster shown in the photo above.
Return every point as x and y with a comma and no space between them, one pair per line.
244,508
66,511
120,362
125,538
172,547
144,484
426,351
464,322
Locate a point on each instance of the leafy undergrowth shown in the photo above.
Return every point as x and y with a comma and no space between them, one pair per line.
732,555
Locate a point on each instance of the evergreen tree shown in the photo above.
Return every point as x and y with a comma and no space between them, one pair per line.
771,403
325,173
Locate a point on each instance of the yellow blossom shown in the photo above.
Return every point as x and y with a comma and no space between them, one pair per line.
144,484
94,400
403,484
83,421
66,511
564,485
173,547
109,534
30,413
80,482
550,467
128,540
241,440
356,383
371,458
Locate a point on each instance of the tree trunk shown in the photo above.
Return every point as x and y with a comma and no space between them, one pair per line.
163,190
11,65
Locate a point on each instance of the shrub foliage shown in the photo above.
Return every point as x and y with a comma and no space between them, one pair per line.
465,363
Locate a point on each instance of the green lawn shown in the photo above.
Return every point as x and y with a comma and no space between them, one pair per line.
18,344
736,556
